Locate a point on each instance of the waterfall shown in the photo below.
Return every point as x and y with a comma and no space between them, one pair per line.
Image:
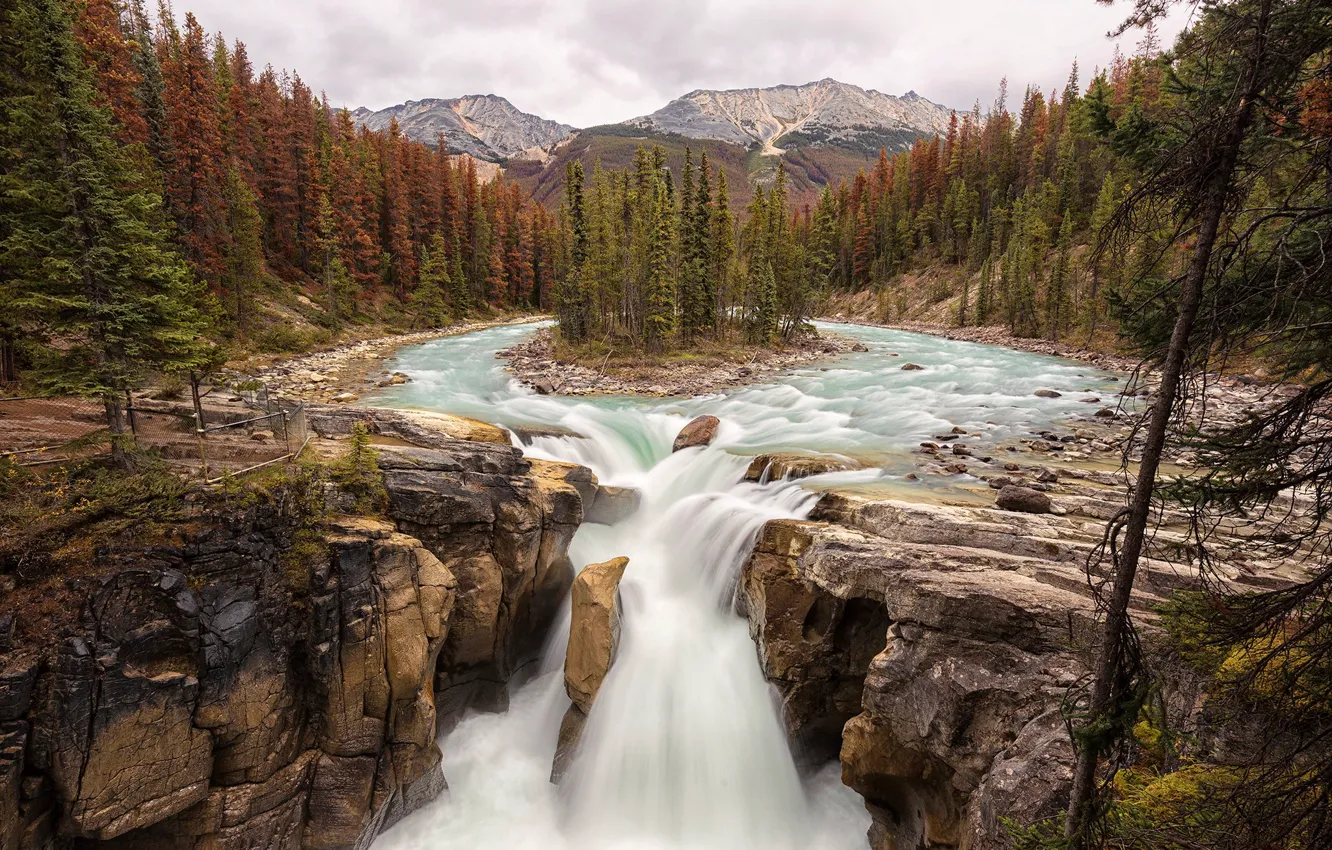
684,747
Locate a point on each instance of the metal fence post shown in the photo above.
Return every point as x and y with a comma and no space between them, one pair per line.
199,431
286,432
198,405
129,408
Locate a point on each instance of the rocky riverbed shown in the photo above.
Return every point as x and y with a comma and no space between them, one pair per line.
534,363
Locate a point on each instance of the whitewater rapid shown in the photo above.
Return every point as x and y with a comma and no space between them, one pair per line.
684,747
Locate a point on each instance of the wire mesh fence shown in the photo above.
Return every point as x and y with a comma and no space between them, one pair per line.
208,442
239,447
49,430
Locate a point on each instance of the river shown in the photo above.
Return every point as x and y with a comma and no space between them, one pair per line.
684,748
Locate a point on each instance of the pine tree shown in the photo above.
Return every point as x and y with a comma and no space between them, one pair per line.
243,253
1057,295
110,53
763,328
460,294
151,91
723,251
659,318
429,305
93,267
573,296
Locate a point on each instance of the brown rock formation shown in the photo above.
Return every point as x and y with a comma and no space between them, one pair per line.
946,636
776,467
700,431
594,632
234,690
614,504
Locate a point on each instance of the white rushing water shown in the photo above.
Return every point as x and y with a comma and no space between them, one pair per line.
684,748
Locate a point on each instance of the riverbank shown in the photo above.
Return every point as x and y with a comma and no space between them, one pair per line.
343,373
537,364
999,335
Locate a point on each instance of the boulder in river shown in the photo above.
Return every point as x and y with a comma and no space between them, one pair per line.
699,432
612,504
594,632
1048,394
776,467
1023,500
911,367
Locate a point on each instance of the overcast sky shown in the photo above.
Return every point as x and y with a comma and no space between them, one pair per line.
587,62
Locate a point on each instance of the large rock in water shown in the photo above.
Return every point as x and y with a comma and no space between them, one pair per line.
777,467
701,431
594,630
594,633
613,504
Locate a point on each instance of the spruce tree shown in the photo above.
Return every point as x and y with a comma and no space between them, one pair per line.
659,318
723,251
429,299
104,297
573,296
243,254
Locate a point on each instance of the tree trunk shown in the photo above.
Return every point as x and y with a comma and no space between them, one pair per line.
120,441
1105,691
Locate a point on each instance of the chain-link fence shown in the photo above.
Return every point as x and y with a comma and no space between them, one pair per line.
209,442
239,447
49,430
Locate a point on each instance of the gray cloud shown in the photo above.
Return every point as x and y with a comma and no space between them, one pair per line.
590,62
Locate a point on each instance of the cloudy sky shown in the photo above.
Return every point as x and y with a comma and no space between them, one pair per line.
587,62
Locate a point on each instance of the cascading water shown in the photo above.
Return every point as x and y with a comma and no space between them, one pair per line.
684,747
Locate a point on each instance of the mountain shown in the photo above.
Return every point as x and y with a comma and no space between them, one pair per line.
826,113
484,125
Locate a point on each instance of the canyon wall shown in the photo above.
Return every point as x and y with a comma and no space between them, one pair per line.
277,681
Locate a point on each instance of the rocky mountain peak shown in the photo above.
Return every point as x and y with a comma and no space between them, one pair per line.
485,126
827,112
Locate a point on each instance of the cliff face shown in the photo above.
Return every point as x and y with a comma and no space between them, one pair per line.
934,646
237,690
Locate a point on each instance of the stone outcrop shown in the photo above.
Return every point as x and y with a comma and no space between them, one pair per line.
934,644
594,633
266,683
700,431
776,467
504,532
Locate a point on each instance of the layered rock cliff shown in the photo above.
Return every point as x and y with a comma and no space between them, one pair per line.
276,678
931,649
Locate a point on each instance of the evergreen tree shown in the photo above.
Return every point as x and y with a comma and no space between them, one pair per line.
573,300
659,316
243,253
105,297
1057,295
723,251
429,302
